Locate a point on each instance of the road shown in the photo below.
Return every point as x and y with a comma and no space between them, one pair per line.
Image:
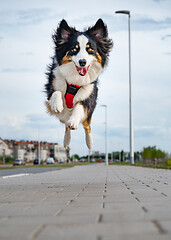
90,202
25,170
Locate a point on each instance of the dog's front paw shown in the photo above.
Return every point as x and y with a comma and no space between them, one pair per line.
56,102
73,123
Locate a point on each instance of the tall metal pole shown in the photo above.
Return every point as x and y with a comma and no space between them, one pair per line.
39,151
131,134
39,145
106,151
131,131
89,155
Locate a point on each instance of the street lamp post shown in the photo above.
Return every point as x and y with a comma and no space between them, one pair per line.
106,158
131,133
39,145
39,151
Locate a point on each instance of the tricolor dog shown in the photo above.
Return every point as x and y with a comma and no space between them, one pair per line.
73,75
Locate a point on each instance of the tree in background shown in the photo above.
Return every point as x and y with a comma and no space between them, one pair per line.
8,159
75,156
152,152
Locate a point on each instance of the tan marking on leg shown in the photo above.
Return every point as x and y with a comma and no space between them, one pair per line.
62,121
66,129
78,103
88,136
86,126
48,107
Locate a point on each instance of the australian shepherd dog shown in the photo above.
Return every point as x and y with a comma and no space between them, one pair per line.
73,75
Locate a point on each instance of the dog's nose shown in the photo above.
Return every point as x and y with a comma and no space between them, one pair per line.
82,62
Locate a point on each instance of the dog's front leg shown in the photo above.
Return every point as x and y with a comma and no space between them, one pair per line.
77,116
88,135
56,102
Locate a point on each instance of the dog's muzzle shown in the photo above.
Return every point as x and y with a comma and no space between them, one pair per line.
82,70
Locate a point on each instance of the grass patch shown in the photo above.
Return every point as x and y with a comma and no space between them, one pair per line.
142,164
161,165
62,165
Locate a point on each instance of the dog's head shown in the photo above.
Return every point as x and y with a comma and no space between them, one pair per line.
82,55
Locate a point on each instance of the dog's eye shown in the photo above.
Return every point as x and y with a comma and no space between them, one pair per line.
90,50
73,51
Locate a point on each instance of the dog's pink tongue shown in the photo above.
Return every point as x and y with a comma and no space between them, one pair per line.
82,71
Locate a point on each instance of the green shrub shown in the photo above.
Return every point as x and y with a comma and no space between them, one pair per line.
8,159
168,162
153,152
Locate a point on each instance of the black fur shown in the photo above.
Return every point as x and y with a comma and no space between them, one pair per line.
66,45
65,38
49,89
99,35
90,103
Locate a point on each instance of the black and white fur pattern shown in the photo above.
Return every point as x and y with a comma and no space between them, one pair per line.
79,59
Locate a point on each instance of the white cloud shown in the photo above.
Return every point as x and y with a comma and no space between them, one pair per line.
26,47
12,121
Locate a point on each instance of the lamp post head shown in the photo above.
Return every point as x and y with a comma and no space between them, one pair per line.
123,12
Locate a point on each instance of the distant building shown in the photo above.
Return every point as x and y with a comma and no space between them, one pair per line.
5,149
97,155
28,150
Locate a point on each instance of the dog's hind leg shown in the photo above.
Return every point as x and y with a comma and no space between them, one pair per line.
88,135
67,137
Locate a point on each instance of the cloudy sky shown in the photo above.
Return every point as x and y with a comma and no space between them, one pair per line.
25,50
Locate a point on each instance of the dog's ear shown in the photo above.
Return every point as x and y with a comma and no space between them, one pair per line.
62,33
64,30
99,30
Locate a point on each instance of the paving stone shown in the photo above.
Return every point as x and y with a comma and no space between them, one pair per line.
87,202
84,231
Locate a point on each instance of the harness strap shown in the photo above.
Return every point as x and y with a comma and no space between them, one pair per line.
70,94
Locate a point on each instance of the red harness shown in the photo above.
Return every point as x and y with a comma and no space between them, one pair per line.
70,94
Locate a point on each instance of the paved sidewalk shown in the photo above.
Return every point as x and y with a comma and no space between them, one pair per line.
87,202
